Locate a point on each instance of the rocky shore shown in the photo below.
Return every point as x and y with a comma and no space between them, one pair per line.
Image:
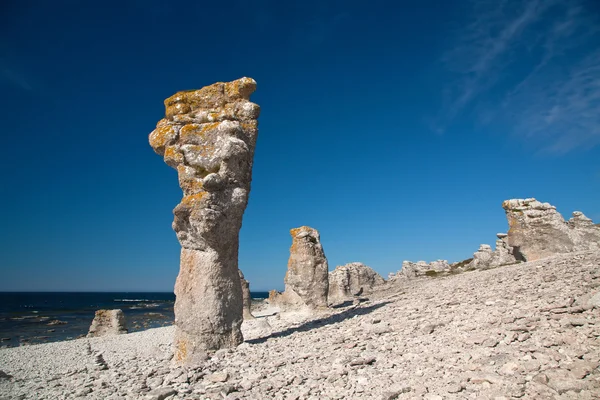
527,330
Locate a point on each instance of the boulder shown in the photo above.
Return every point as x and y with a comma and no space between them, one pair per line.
350,280
537,230
306,280
108,322
482,258
208,136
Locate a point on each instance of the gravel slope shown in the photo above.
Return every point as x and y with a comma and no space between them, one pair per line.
523,331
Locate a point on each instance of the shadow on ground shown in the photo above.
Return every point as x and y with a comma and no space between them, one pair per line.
332,319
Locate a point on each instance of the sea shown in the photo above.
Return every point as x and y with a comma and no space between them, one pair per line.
28,318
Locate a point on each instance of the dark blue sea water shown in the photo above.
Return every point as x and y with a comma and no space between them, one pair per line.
40,317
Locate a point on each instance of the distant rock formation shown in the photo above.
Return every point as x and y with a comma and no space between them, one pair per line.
585,235
347,281
537,230
306,280
486,258
421,268
504,254
208,136
246,297
108,322
482,258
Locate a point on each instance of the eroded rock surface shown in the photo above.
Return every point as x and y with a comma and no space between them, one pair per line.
246,297
537,230
352,279
585,235
504,253
208,136
306,280
108,322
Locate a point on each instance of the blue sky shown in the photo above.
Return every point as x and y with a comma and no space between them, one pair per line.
394,128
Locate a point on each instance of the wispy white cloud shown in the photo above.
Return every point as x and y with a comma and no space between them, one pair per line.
14,78
534,65
9,72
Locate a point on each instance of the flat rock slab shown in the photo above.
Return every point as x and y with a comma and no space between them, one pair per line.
161,393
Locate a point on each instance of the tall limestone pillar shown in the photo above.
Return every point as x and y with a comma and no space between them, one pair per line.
307,277
208,136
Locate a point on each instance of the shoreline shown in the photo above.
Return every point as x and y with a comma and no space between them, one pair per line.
29,325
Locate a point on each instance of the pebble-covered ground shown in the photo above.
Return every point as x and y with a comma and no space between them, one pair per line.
525,331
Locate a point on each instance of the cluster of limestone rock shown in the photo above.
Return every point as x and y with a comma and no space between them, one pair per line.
536,231
309,285
208,136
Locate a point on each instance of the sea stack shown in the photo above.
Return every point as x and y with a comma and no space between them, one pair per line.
246,297
208,136
306,280
108,322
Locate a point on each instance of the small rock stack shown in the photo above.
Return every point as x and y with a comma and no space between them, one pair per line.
246,297
99,361
108,322
306,280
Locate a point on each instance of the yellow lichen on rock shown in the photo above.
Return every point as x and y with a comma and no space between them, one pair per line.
295,231
252,125
176,109
189,183
193,199
173,156
215,95
240,89
181,352
193,133
162,136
